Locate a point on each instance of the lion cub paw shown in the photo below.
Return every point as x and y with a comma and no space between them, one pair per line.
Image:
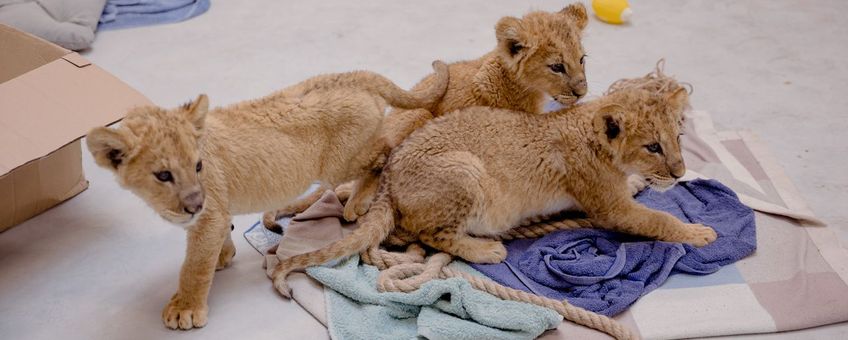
181,314
490,252
700,235
355,208
225,258
269,220
635,184
344,191
350,213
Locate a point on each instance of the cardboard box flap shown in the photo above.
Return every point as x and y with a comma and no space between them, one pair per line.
77,60
49,98
56,104
21,52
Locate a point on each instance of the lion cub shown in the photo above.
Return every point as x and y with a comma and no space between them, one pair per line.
536,56
197,169
479,172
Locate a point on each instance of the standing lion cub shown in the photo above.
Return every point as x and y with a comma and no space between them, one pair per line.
476,173
197,168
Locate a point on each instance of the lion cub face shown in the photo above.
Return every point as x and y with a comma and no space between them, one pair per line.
544,51
643,129
155,154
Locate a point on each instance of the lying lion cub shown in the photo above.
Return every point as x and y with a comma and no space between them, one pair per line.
197,169
536,56
479,172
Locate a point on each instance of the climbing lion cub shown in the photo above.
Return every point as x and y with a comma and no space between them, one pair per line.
536,56
479,172
197,169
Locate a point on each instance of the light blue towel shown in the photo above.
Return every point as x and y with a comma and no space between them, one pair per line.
133,13
440,309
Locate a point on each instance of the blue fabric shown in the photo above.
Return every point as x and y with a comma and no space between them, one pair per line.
133,13
606,272
440,309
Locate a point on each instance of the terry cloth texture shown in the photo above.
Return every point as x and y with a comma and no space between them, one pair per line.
134,13
606,272
440,309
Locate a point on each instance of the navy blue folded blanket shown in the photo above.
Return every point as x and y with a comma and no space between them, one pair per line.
606,272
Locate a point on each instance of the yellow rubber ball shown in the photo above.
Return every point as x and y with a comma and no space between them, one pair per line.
612,11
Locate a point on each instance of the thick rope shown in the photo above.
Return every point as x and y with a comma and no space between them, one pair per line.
655,81
570,312
541,228
406,272
383,259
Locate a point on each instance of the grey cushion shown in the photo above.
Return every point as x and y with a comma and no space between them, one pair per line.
67,23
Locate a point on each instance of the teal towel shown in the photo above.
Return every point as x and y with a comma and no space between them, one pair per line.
440,309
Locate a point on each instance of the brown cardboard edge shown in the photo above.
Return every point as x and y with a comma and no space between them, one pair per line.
74,192
32,40
57,149
76,59
6,29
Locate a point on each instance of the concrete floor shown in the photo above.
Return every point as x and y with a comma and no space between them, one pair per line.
102,265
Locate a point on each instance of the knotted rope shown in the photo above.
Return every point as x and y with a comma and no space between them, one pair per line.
407,271
655,81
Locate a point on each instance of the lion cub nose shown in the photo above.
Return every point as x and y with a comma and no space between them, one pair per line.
580,88
193,202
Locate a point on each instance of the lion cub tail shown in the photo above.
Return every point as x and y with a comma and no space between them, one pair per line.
426,97
374,83
374,227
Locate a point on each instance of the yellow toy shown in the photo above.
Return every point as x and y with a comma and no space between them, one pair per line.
612,11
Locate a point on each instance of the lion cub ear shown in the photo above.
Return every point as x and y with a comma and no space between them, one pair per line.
577,13
196,111
110,147
608,124
510,35
678,100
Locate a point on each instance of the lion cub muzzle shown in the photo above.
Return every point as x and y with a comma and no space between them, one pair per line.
192,200
579,87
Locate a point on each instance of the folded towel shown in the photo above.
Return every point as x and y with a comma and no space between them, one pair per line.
606,272
440,309
133,13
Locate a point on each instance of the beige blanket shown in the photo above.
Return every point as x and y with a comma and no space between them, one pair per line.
796,279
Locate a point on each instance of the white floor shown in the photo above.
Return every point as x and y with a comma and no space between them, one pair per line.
101,266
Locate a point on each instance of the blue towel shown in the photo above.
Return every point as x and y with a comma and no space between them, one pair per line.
606,272
440,309
133,13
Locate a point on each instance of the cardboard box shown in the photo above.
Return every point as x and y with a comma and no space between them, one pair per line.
49,98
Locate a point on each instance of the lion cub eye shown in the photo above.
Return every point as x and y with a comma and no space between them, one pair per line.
654,148
199,166
164,176
583,60
558,68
